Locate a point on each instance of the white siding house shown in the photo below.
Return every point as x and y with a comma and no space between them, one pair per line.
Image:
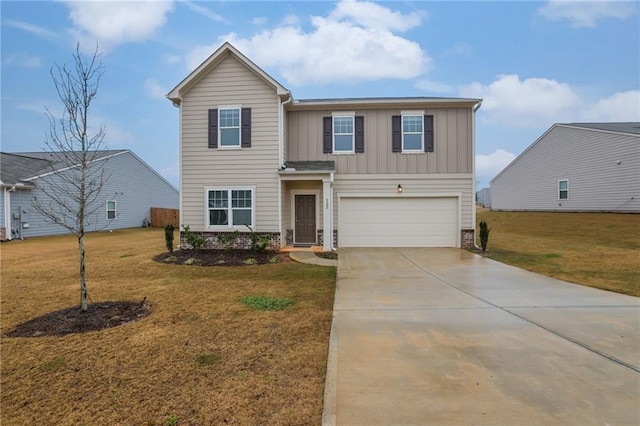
132,188
574,167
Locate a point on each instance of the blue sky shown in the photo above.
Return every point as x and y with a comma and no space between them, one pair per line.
533,63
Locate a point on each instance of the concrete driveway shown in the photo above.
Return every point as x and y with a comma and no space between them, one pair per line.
442,336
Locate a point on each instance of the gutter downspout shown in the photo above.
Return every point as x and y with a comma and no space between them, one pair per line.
281,162
333,248
476,107
7,212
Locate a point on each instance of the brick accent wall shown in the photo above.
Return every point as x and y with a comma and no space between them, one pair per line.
242,242
289,240
3,234
321,237
467,238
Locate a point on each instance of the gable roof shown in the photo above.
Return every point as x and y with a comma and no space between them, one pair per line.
175,95
627,128
20,167
631,128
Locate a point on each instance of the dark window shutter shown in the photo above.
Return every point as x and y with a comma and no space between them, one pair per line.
245,132
327,135
213,128
428,133
396,133
359,133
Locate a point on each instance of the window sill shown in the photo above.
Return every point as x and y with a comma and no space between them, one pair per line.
413,152
343,153
229,148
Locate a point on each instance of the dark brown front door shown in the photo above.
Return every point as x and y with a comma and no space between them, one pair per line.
305,231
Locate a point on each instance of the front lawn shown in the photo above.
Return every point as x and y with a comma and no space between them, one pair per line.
594,249
203,356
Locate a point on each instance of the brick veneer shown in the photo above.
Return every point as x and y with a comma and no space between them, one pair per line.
243,241
467,238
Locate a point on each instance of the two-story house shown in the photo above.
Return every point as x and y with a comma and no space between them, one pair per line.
373,172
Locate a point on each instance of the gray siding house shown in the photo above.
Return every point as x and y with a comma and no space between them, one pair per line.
131,190
483,197
576,167
369,172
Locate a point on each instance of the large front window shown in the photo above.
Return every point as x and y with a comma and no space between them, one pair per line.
229,125
342,134
230,208
412,133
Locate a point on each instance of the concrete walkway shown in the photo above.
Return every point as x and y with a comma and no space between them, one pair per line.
442,336
311,258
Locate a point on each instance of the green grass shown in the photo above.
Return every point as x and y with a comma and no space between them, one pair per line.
264,303
594,249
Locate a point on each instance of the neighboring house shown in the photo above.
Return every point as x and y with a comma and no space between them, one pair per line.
574,167
368,172
131,190
483,197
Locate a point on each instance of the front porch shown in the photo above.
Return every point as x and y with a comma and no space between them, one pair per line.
307,205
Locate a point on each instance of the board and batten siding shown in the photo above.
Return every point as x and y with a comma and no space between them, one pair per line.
453,133
412,185
588,159
131,184
230,83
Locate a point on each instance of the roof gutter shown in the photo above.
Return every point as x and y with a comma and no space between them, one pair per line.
477,106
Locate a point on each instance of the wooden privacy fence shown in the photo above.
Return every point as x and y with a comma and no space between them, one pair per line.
161,217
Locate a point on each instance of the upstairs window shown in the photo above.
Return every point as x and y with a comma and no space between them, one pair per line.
563,189
230,208
412,135
111,210
229,125
342,134
412,132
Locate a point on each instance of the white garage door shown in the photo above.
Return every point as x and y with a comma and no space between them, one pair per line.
398,222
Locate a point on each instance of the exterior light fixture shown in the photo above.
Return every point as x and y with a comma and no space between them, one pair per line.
399,188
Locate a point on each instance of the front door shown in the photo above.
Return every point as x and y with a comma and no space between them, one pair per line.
305,229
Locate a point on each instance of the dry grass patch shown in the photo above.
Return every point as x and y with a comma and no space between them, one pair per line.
594,249
201,357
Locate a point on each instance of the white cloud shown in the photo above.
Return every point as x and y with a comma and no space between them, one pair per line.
201,10
154,89
587,13
531,102
30,28
489,165
431,86
621,106
540,102
290,20
23,59
259,20
372,15
351,44
114,23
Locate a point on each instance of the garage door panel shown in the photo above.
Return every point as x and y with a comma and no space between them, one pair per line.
398,222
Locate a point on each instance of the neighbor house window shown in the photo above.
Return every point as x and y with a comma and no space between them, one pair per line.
343,134
230,208
412,135
563,189
111,210
229,125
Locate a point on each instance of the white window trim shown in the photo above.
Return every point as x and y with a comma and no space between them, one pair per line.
229,207
239,108
412,114
567,190
353,133
114,210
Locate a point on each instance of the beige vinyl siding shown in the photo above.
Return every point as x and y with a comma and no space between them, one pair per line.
432,185
587,159
452,145
230,84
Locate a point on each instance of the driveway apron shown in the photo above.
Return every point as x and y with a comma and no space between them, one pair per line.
443,336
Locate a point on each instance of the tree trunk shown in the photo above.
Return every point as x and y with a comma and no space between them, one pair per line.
83,280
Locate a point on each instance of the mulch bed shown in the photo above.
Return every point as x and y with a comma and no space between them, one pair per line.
73,320
215,257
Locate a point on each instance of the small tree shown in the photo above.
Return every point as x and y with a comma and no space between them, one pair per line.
484,234
168,237
72,189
